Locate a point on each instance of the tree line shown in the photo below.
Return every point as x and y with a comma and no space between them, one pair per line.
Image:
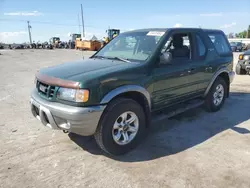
242,34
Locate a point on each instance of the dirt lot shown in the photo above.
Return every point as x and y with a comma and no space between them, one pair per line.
195,149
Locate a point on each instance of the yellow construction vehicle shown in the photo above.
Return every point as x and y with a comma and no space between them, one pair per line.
75,36
54,41
112,33
92,45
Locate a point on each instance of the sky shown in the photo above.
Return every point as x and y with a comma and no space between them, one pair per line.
49,18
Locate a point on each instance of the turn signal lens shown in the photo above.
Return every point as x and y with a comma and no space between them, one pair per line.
82,95
241,57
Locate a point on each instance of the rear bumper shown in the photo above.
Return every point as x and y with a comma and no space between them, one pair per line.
79,120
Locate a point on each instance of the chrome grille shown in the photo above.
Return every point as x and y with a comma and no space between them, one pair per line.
45,89
52,91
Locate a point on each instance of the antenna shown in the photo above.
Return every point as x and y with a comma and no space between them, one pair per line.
83,33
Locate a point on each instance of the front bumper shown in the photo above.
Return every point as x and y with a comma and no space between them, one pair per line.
244,64
79,120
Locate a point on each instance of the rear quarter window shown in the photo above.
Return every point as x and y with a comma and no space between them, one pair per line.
220,43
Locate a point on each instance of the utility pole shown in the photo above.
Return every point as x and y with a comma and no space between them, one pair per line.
83,32
29,27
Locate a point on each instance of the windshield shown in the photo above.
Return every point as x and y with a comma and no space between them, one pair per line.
134,46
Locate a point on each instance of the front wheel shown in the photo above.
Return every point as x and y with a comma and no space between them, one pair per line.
216,96
121,127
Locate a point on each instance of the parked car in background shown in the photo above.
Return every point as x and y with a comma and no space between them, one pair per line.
243,65
236,46
246,47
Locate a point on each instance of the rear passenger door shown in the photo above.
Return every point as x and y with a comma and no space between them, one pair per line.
212,52
200,73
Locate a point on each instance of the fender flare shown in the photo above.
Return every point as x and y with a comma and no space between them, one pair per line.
126,88
217,73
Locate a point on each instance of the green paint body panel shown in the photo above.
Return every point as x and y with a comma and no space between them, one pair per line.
166,84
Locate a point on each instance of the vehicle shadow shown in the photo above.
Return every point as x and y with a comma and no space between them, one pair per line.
181,132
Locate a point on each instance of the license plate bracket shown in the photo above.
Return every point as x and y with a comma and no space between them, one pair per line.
42,88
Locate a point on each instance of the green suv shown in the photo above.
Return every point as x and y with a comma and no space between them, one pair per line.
139,77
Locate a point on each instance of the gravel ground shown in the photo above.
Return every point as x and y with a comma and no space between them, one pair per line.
195,149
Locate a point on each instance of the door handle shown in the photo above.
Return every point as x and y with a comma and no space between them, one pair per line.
209,68
191,70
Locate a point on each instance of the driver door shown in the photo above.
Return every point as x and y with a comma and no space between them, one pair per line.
171,81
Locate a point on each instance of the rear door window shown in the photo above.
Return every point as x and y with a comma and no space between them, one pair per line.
201,46
220,43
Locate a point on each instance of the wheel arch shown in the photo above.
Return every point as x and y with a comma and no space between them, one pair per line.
225,76
222,73
135,92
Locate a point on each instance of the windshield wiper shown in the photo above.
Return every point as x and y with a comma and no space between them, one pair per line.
99,56
117,58
122,59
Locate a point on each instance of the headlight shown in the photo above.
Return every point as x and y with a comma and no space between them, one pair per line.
246,57
75,95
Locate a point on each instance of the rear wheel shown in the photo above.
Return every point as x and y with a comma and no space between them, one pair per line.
121,127
216,96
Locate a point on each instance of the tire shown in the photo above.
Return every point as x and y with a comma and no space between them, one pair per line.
210,104
240,71
106,132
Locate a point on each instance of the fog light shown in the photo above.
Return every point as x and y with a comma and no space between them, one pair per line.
246,57
65,125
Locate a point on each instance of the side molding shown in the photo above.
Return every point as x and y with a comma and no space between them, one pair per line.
224,69
127,88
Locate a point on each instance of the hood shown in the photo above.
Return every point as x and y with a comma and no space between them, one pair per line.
75,70
247,52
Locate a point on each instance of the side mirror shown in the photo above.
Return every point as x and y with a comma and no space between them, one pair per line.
166,58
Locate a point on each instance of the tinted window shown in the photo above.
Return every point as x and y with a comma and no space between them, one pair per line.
220,43
201,46
232,43
179,46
